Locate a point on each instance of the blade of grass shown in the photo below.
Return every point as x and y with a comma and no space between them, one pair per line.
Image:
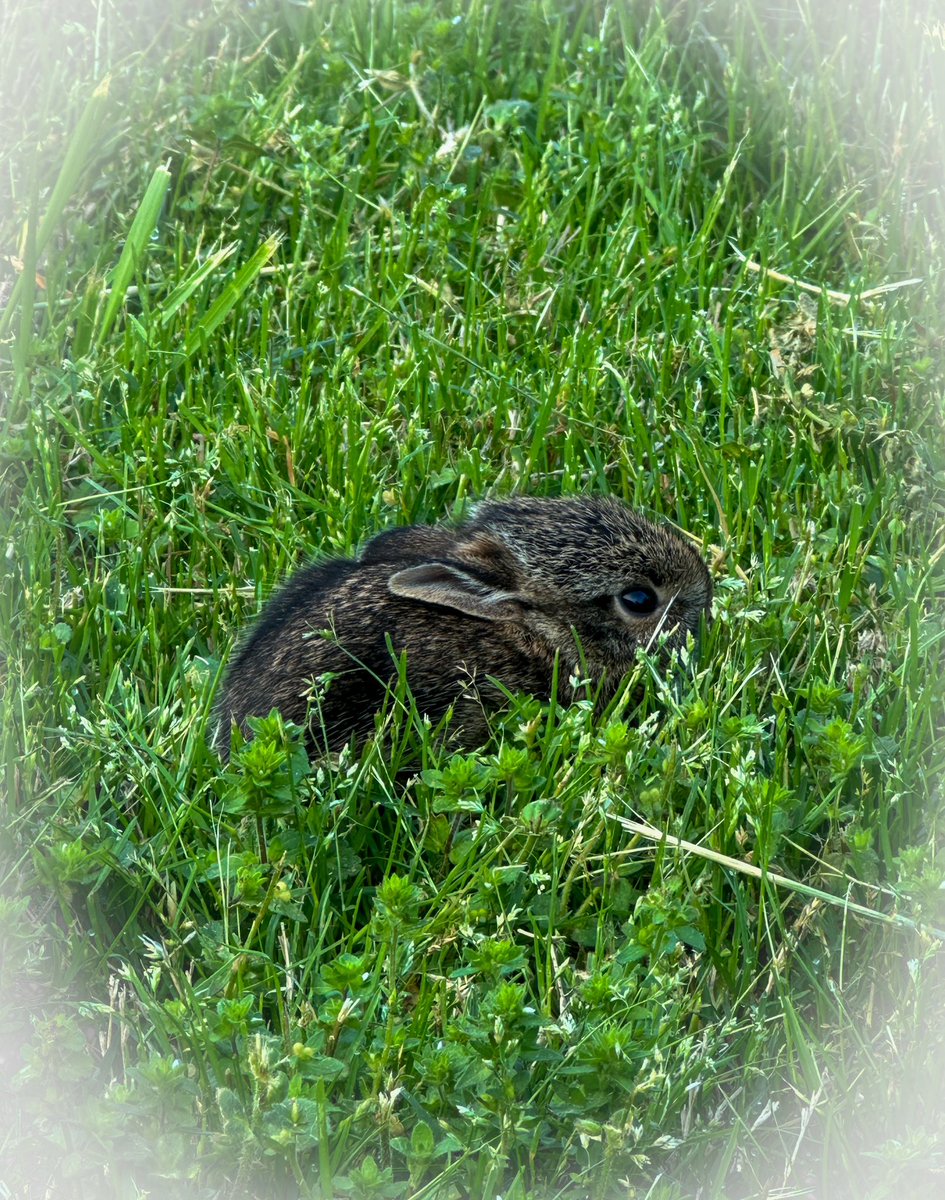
224,303
724,860
83,141
189,284
136,243
26,284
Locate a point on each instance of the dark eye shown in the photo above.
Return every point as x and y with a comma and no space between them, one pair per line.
641,601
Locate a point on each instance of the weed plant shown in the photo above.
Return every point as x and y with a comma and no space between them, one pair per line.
278,276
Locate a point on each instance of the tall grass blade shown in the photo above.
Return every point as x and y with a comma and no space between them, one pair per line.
84,140
136,243
191,282
229,297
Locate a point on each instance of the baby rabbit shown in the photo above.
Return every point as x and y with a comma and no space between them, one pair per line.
498,596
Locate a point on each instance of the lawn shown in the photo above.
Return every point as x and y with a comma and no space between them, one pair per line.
276,276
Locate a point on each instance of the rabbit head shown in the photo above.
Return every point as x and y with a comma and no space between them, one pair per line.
553,569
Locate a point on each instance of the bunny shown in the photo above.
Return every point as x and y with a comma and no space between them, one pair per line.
524,580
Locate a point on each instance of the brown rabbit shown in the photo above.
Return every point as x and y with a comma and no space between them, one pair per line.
524,579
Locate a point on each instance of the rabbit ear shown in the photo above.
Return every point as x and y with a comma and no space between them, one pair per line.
452,587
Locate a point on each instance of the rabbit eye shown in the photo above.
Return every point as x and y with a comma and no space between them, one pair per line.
641,601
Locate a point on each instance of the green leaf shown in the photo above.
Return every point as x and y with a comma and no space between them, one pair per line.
136,244
228,298
82,144
197,275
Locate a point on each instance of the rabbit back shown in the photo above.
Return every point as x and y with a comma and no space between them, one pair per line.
339,619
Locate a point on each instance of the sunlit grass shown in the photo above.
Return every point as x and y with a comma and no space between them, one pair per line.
297,274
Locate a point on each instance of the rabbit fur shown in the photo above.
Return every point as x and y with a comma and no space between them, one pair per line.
523,580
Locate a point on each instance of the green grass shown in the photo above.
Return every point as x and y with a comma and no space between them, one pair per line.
279,276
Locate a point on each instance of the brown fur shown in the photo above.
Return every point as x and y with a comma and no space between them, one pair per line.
498,596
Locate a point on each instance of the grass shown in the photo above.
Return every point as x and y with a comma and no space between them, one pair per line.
279,276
